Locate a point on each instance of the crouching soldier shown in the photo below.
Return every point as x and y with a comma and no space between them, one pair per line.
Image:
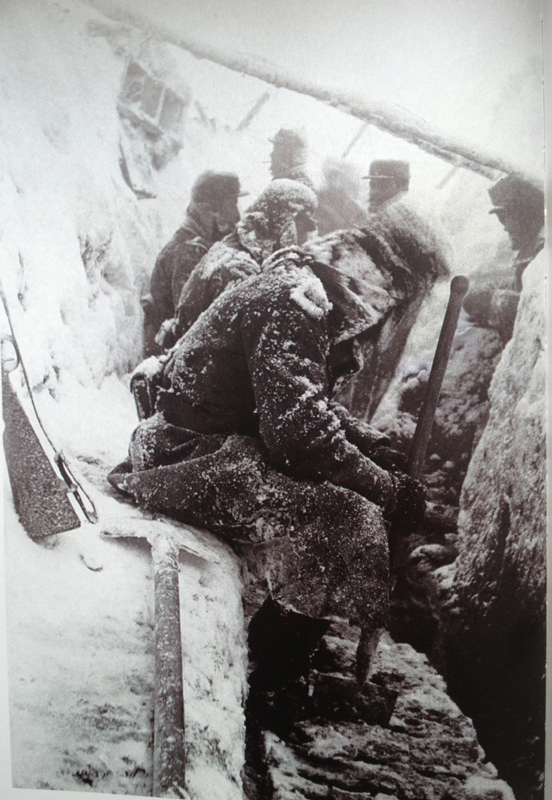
269,224
247,441
212,213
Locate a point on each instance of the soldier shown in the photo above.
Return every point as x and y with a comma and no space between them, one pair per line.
287,160
389,181
338,199
270,223
212,213
397,233
247,440
289,156
519,206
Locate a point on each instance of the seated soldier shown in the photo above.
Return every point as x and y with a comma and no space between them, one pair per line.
247,441
212,213
268,225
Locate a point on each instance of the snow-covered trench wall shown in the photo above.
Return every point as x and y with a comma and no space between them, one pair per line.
493,596
87,201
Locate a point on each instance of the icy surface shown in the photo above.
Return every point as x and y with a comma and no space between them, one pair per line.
495,602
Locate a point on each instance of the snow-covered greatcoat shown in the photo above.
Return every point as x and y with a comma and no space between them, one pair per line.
174,265
401,242
227,262
247,442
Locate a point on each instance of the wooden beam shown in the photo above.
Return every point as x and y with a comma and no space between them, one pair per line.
386,116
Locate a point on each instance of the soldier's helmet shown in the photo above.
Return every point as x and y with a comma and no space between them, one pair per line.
512,191
391,171
519,205
281,200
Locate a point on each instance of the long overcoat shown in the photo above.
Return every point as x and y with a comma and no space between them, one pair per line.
247,441
173,267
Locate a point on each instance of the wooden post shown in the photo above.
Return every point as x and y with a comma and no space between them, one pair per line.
458,288
167,538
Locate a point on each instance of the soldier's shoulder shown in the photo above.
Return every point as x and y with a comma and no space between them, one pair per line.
185,239
293,287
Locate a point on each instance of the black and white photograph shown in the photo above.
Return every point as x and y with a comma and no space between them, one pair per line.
273,328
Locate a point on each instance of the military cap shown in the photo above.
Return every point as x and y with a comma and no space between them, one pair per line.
212,187
388,169
514,192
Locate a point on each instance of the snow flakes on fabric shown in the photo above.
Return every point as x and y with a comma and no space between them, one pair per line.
223,257
371,283
270,222
310,296
150,368
321,548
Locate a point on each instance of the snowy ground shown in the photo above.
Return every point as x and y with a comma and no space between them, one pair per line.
81,645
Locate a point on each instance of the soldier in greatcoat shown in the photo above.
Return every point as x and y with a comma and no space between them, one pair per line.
211,214
247,440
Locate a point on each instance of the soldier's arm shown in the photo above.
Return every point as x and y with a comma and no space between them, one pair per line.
303,434
219,270
190,254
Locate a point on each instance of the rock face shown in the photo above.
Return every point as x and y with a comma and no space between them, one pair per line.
494,612
462,411
428,751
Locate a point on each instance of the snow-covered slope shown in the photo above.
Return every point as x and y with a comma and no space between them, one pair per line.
76,250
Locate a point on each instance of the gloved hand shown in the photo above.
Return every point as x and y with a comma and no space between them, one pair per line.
387,458
409,508
166,335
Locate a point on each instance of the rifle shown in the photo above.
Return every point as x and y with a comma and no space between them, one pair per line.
46,495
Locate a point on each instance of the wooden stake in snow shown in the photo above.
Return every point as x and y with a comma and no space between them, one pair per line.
355,139
253,112
458,288
169,761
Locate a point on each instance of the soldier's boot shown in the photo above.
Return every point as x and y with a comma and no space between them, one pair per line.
281,644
